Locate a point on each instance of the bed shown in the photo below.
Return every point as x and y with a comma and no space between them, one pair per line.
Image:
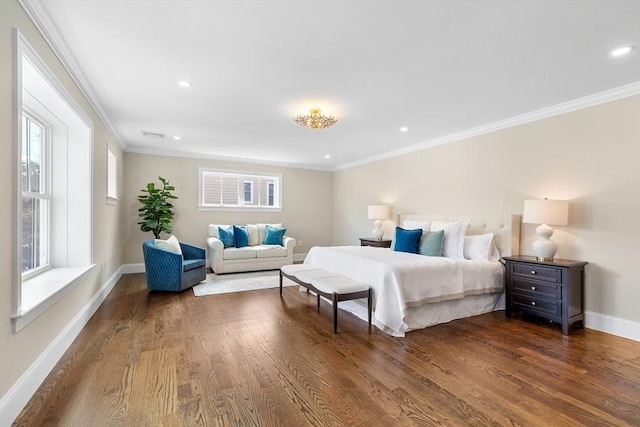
412,291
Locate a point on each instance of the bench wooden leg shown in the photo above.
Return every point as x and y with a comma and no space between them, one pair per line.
335,313
318,298
369,305
280,282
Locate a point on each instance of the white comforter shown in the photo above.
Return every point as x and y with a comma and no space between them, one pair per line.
401,280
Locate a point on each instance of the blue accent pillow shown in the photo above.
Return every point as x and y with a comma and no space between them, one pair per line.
431,243
241,236
274,235
407,240
226,235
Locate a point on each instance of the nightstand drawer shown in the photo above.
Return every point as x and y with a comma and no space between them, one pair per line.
537,305
535,288
538,272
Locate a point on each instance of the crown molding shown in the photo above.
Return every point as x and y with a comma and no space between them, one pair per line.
40,17
228,159
566,107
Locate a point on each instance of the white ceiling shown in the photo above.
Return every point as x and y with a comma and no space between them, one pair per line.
437,67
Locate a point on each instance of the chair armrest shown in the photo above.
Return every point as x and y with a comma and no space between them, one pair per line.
192,252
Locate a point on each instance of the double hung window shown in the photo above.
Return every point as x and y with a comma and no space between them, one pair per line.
238,190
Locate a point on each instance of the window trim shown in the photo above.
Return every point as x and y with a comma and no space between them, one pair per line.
239,208
63,279
112,177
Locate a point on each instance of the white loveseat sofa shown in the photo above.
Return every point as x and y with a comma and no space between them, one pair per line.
257,256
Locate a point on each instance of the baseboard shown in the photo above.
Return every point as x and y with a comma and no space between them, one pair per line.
612,325
132,268
299,257
18,396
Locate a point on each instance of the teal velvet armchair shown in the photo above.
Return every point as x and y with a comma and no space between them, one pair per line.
171,271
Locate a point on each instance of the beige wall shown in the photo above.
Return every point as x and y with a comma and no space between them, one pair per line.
18,351
590,157
306,199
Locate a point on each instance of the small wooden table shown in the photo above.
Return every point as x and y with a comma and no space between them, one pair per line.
370,241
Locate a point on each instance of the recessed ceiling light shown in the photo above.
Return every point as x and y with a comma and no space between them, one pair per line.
621,51
404,129
184,83
177,138
327,156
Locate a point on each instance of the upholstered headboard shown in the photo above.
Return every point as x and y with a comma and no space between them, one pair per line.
505,228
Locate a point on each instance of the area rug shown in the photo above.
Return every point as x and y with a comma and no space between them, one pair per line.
239,282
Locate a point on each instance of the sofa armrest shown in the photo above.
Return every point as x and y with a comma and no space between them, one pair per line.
289,243
216,248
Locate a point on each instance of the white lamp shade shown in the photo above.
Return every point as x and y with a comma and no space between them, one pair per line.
550,212
378,212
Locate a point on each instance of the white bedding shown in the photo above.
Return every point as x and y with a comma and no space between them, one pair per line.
401,280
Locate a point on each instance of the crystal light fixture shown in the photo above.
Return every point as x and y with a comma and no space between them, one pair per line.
315,120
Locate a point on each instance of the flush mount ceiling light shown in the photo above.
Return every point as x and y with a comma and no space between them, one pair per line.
621,51
315,120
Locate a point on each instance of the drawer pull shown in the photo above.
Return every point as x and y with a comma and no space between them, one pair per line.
533,272
533,288
533,303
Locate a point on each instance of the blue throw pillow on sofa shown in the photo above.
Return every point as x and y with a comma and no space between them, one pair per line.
226,235
274,235
241,236
407,240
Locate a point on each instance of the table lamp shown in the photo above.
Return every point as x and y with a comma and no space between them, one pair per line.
545,212
378,212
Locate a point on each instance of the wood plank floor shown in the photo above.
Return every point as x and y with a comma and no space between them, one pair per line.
254,359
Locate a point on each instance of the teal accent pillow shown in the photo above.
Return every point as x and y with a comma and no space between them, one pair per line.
431,243
274,235
241,236
226,235
407,240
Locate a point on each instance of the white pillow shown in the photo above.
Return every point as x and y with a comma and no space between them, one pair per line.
409,224
213,229
254,236
478,247
171,244
262,231
453,237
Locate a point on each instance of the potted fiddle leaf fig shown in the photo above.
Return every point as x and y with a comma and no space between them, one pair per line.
157,210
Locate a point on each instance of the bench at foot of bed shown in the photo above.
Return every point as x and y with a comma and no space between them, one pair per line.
327,284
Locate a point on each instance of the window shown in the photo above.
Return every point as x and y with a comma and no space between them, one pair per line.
53,197
36,197
238,190
112,177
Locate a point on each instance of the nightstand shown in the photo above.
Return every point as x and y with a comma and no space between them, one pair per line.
370,241
553,290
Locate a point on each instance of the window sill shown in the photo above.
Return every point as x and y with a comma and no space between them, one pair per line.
112,200
42,291
238,209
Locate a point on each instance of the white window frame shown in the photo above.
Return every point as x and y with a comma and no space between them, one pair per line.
44,195
244,192
36,88
241,207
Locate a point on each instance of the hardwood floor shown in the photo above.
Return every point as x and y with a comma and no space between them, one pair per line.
253,358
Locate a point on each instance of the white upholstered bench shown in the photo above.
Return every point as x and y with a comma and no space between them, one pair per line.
327,284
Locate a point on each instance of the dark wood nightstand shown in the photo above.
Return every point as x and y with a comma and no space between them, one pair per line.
553,290
370,241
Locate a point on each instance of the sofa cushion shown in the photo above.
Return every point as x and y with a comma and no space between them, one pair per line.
254,236
270,251
247,252
227,237
241,236
213,229
190,264
274,235
262,230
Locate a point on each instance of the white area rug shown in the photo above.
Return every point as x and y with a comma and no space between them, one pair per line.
239,282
